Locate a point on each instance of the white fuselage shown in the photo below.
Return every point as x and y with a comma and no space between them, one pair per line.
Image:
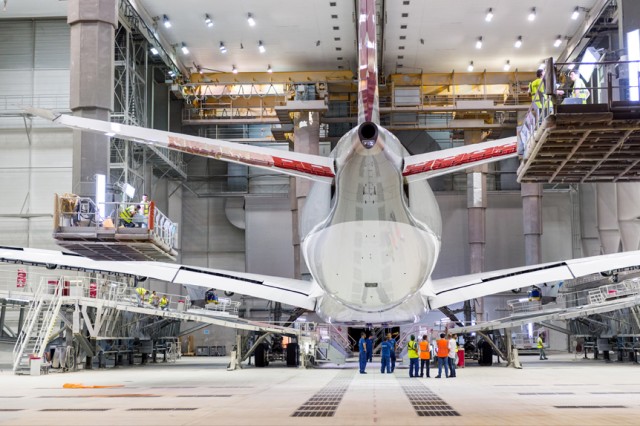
373,243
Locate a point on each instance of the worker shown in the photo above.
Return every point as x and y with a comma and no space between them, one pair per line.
578,90
164,302
211,296
154,299
453,351
362,356
140,294
369,348
385,355
534,294
536,91
393,344
144,210
127,214
442,345
540,344
412,352
425,355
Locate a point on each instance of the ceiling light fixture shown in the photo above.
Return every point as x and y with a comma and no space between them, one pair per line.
470,66
518,42
171,73
184,48
558,41
479,43
250,20
261,47
166,21
489,16
269,70
153,50
532,14
576,13
317,43
223,49
234,69
507,65
208,20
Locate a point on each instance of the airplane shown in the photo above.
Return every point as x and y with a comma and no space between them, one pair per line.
371,224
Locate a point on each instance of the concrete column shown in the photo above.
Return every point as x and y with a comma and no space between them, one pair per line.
92,24
306,139
476,215
532,216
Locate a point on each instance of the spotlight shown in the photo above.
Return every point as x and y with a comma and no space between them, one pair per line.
184,49
154,51
558,42
208,21
261,47
269,70
479,43
166,21
234,69
470,66
489,15
507,65
250,20
576,13
518,42
223,49
532,14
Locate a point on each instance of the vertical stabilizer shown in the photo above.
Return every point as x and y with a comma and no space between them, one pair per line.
367,63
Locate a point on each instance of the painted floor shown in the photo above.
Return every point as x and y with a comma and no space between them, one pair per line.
200,391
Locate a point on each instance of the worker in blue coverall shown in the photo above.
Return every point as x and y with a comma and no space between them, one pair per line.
385,356
369,348
362,357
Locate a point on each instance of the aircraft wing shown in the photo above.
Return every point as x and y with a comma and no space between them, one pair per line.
309,166
436,163
298,293
452,290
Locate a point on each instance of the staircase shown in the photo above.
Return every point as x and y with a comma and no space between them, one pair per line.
40,321
332,346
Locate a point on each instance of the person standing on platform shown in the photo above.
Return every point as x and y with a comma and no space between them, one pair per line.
453,351
392,358
540,344
443,355
578,90
164,302
140,294
385,355
144,210
536,90
369,348
412,353
425,355
362,356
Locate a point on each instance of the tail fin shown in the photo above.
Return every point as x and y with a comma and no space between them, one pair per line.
367,63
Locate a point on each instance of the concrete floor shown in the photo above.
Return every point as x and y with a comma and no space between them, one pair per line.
199,391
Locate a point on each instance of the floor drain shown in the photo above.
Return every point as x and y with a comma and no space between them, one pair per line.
424,401
325,402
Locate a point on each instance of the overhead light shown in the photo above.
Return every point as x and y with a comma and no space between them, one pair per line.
576,13
208,20
518,42
199,69
507,65
250,20
489,16
153,50
532,14
479,43
558,41
269,70
317,43
110,134
234,69
222,48
171,73
261,47
470,66
184,48
166,21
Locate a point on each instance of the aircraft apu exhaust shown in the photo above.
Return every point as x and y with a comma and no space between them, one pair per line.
368,134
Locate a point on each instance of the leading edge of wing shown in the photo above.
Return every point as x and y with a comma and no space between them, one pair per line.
436,163
452,290
314,167
286,290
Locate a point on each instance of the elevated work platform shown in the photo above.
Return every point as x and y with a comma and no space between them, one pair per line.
99,232
583,143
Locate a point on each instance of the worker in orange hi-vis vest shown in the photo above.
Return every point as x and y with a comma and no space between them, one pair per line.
443,356
425,355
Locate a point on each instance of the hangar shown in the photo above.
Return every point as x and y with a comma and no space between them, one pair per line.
193,185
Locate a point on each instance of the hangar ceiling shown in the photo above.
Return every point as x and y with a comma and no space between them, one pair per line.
419,36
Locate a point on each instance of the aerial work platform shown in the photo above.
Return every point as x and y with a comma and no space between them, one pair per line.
582,143
100,233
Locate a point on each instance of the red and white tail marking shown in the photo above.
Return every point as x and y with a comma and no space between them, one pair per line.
367,63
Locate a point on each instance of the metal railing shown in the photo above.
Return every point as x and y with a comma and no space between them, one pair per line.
517,306
73,211
224,305
15,103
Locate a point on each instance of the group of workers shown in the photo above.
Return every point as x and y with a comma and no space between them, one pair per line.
577,90
446,351
128,213
419,354
152,298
